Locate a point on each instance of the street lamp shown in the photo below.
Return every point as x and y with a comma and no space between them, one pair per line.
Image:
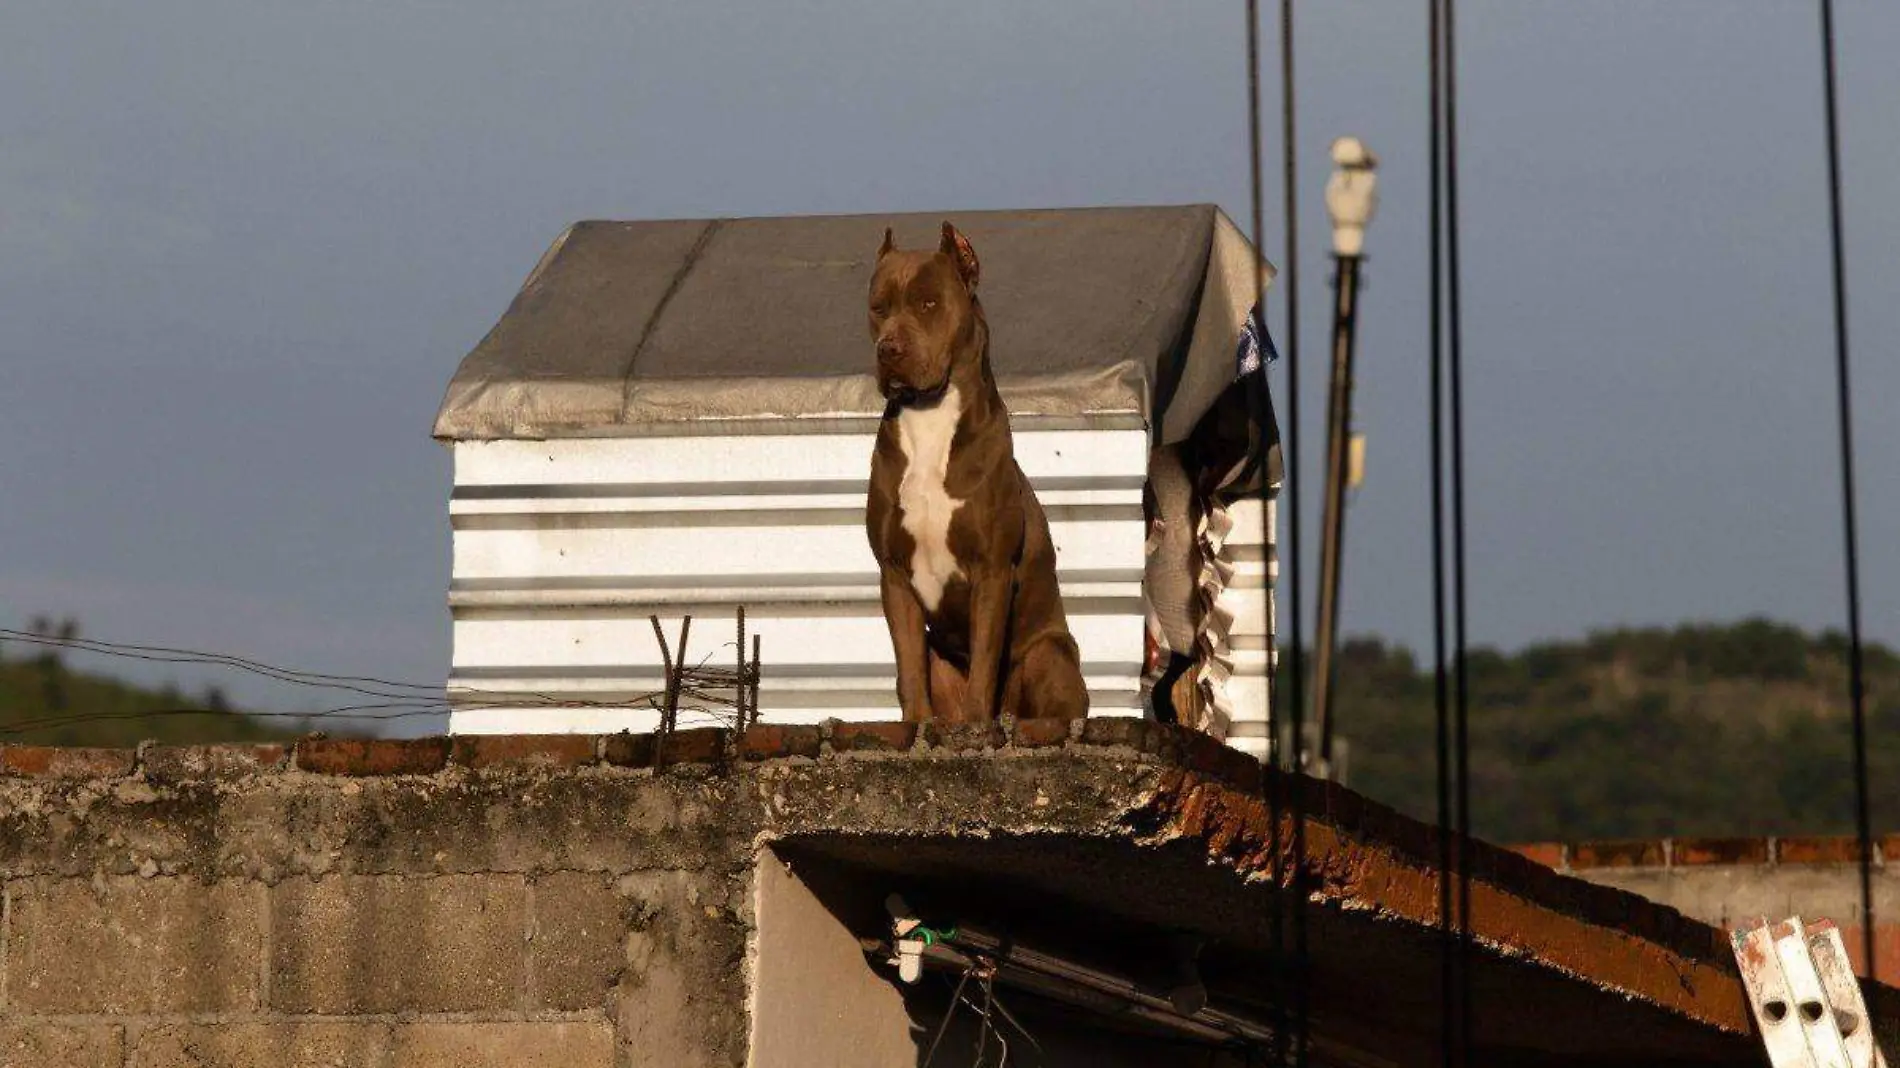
1352,196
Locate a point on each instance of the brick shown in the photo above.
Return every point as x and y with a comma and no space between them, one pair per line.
627,750
695,745
1040,733
1695,852
66,762
185,763
869,737
1629,854
1130,731
133,945
961,737
578,942
523,750
372,756
1549,854
351,944
580,1044
280,1044
772,741
52,1046
1819,849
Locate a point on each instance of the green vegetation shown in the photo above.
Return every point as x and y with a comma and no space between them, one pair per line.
1701,730
67,707
1736,729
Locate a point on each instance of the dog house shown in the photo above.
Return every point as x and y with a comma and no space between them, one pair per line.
676,418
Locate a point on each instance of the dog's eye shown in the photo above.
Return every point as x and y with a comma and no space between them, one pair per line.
930,305
879,310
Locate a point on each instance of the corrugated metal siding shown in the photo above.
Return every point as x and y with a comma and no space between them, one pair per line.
1250,639
563,548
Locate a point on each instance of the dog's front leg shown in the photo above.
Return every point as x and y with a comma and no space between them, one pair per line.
989,623
906,619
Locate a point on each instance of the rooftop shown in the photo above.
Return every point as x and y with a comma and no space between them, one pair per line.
1112,825
1108,313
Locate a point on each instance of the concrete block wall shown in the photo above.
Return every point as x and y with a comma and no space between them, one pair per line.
564,901
1731,881
229,907
592,901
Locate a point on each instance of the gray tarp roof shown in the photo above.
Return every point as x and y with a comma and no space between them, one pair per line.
624,328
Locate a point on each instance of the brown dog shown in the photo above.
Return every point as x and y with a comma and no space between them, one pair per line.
969,571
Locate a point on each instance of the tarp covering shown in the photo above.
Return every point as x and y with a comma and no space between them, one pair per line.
636,327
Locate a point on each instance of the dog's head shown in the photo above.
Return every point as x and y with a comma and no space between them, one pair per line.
923,312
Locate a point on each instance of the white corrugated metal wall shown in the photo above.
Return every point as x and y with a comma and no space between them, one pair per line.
564,548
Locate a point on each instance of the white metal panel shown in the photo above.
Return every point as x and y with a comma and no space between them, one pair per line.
1249,596
623,639
788,459
844,699
762,544
563,548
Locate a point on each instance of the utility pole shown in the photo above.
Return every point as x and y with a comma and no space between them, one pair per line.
1352,196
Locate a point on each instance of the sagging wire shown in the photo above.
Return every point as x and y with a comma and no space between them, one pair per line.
949,1014
403,700
1850,524
1461,727
1289,148
1271,780
992,1008
382,712
1442,735
364,685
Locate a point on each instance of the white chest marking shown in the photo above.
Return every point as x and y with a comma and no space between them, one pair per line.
925,436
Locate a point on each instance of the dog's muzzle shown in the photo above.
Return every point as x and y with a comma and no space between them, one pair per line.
898,395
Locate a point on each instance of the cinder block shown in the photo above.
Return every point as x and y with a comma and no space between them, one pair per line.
48,1046
579,941
579,1044
351,944
680,1002
280,1044
132,945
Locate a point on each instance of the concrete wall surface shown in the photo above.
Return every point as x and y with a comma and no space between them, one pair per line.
1729,882
566,901
221,907
610,902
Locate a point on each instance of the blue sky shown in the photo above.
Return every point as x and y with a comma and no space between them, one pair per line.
244,244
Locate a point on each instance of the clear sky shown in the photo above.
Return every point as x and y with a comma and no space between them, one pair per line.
243,244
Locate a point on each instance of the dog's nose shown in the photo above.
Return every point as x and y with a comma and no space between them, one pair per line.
889,349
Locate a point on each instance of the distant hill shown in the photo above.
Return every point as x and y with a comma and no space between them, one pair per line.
93,710
1738,729
1700,730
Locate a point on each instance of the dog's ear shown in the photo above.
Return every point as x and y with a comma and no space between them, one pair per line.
958,248
884,249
